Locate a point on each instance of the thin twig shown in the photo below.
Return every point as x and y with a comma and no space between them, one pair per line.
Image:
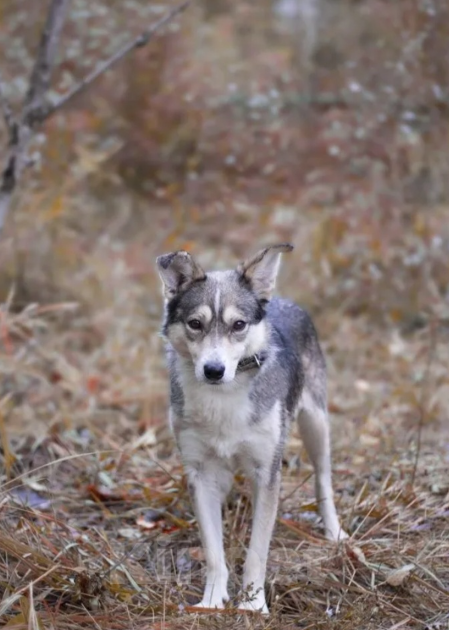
423,396
138,42
41,74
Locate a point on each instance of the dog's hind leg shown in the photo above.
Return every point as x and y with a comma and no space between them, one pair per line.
315,432
208,487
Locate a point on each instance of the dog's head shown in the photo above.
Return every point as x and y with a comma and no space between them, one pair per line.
216,319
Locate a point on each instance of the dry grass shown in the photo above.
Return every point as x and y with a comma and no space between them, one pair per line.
96,525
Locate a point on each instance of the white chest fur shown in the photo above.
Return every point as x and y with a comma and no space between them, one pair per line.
222,423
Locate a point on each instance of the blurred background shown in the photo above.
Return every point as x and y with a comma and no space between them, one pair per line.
241,122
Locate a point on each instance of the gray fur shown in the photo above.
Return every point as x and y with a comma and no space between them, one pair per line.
176,393
242,420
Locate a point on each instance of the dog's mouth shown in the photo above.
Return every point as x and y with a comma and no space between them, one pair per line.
219,384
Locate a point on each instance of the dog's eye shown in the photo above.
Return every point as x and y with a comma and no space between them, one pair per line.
238,325
194,324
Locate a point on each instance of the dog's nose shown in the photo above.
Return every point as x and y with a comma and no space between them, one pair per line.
214,371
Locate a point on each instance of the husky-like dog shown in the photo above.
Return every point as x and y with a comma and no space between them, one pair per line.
242,366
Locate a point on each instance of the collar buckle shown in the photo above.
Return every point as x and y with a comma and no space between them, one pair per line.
251,363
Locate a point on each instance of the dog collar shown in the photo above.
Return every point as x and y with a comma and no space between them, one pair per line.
256,361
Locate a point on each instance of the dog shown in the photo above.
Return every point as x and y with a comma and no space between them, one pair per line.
242,365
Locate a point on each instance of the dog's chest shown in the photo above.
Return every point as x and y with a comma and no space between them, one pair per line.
226,424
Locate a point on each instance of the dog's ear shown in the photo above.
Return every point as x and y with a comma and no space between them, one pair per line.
261,270
177,270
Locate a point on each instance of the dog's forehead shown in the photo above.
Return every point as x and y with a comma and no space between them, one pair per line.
220,290
223,288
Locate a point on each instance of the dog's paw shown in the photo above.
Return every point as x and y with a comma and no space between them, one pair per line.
215,603
257,604
259,607
337,535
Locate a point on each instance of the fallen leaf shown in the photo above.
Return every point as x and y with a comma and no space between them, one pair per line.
369,440
129,533
17,622
399,576
103,493
362,385
147,439
149,520
357,553
29,498
93,384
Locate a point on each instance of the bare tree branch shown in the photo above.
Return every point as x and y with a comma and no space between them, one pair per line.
21,131
41,74
6,110
138,42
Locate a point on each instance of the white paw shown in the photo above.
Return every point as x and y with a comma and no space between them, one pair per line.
257,604
336,535
213,602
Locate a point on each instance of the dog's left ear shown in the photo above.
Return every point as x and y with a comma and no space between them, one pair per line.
177,271
261,270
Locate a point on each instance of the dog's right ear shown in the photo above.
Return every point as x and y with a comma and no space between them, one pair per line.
177,270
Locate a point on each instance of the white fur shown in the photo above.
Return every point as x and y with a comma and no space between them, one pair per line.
217,302
218,419
256,339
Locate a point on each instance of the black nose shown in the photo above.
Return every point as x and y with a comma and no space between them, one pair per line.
214,371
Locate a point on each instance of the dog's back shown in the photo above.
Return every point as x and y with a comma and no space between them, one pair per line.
299,352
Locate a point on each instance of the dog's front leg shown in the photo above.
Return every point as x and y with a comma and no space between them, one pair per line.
207,491
266,497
